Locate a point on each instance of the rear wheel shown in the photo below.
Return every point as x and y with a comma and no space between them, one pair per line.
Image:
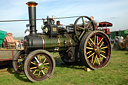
39,65
95,49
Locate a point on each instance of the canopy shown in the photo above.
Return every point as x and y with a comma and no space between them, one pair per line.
105,24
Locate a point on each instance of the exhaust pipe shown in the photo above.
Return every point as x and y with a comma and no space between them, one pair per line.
32,17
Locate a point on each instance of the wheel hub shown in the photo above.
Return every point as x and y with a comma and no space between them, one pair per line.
41,66
97,50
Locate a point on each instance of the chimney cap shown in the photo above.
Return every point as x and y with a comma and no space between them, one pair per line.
32,4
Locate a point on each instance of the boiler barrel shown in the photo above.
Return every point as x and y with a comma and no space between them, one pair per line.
44,42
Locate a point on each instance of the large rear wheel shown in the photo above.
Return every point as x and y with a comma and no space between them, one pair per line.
95,49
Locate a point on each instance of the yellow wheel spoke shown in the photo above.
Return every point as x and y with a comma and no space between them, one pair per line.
101,44
34,72
89,44
21,57
100,41
33,67
44,60
40,58
95,59
89,48
98,61
100,58
91,55
89,52
92,41
46,68
19,61
33,63
20,65
46,63
104,47
39,73
43,72
92,59
81,34
102,51
103,56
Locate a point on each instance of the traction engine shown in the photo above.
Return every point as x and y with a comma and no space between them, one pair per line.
78,42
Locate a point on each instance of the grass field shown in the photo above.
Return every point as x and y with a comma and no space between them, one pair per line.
115,73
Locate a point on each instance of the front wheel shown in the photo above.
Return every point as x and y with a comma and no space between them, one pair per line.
39,65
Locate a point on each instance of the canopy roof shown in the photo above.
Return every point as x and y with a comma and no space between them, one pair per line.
105,24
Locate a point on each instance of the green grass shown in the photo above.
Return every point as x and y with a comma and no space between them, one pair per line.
115,73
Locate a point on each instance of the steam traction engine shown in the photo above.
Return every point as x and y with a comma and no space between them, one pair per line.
79,42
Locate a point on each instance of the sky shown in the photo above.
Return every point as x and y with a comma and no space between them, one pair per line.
114,11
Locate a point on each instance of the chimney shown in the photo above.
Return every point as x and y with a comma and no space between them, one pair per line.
32,17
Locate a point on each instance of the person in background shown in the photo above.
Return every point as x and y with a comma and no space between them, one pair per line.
17,44
20,44
95,22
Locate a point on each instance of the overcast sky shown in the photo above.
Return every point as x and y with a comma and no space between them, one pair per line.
114,11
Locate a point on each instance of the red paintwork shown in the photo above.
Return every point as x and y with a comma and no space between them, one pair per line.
105,24
99,38
107,31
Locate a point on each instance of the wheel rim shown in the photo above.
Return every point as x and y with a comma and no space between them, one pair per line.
19,62
81,27
40,66
97,50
